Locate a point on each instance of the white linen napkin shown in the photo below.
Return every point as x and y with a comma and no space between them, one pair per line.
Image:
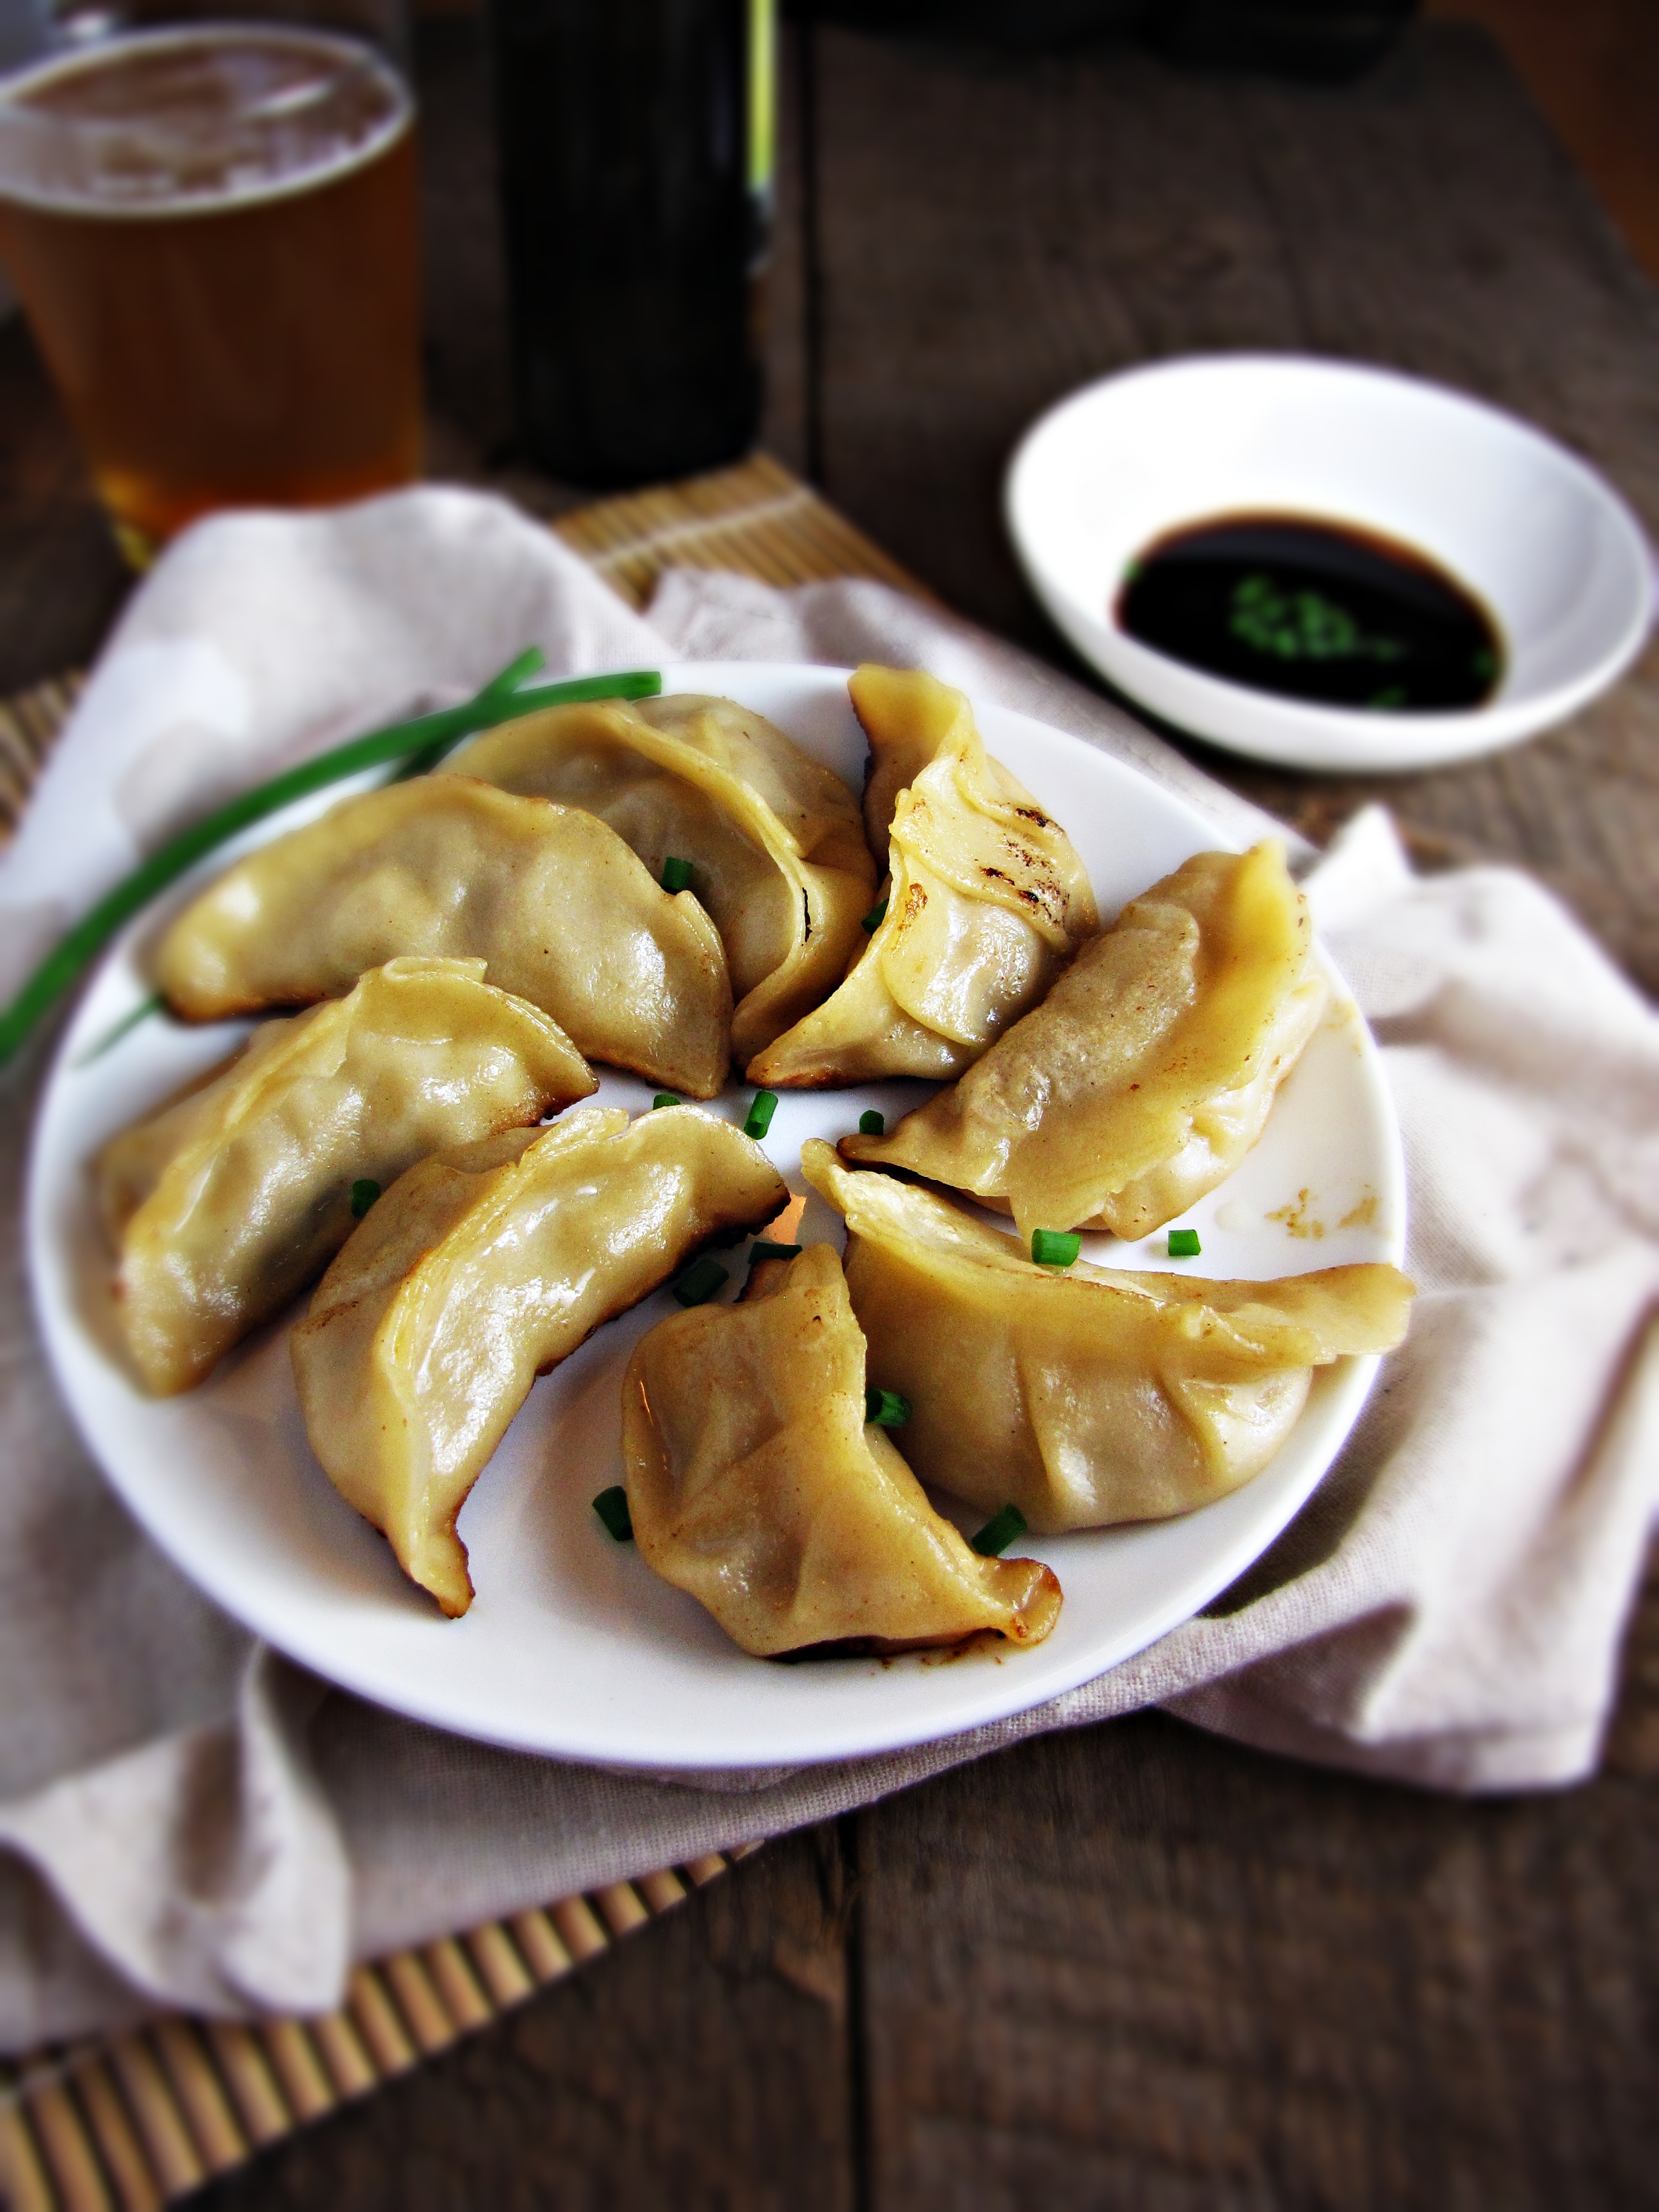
190,1821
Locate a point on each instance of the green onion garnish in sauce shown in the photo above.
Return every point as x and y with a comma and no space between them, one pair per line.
664,1098
676,874
1184,1244
1055,1248
874,919
765,1248
758,1119
872,1123
611,1506
886,1408
998,1532
364,1192
696,1285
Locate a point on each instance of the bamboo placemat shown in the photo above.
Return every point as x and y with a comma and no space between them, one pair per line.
141,2120
755,520
28,723
138,2122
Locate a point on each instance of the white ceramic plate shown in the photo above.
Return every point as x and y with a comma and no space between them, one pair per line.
1540,538
573,1646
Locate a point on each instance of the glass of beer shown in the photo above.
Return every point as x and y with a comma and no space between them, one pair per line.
212,228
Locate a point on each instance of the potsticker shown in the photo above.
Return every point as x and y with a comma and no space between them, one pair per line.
226,1203
1091,1396
554,902
1146,1073
755,1483
986,900
770,837
480,1270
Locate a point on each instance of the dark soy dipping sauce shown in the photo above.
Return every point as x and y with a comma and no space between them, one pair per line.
1313,610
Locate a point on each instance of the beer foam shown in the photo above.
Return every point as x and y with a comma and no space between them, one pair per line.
199,121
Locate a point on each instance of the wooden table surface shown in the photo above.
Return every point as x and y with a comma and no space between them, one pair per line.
1133,1966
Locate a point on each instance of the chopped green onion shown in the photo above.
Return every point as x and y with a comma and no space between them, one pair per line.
758,1120
500,701
664,1098
696,1285
1055,1248
886,1408
611,1506
1184,1244
874,919
763,1248
872,1123
676,874
141,1012
364,1192
998,1532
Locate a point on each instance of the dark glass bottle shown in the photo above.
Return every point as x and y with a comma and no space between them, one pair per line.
636,144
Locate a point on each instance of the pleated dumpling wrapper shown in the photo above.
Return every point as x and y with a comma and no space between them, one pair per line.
1149,1070
478,1272
988,900
773,838
1088,1397
554,902
755,1484
228,1202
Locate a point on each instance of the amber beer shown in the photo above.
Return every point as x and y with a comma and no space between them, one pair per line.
213,232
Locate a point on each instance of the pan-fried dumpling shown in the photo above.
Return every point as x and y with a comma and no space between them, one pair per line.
477,1272
754,1483
986,901
773,838
228,1202
1146,1073
1090,1396
564,912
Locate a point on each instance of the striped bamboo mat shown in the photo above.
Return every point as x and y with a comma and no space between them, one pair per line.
28,723
755,520
138,2122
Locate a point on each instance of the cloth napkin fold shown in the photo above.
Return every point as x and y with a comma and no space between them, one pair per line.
189,1821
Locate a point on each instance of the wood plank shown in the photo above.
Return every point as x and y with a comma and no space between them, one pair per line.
701,2063
993,235
1594,69
1138,1966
